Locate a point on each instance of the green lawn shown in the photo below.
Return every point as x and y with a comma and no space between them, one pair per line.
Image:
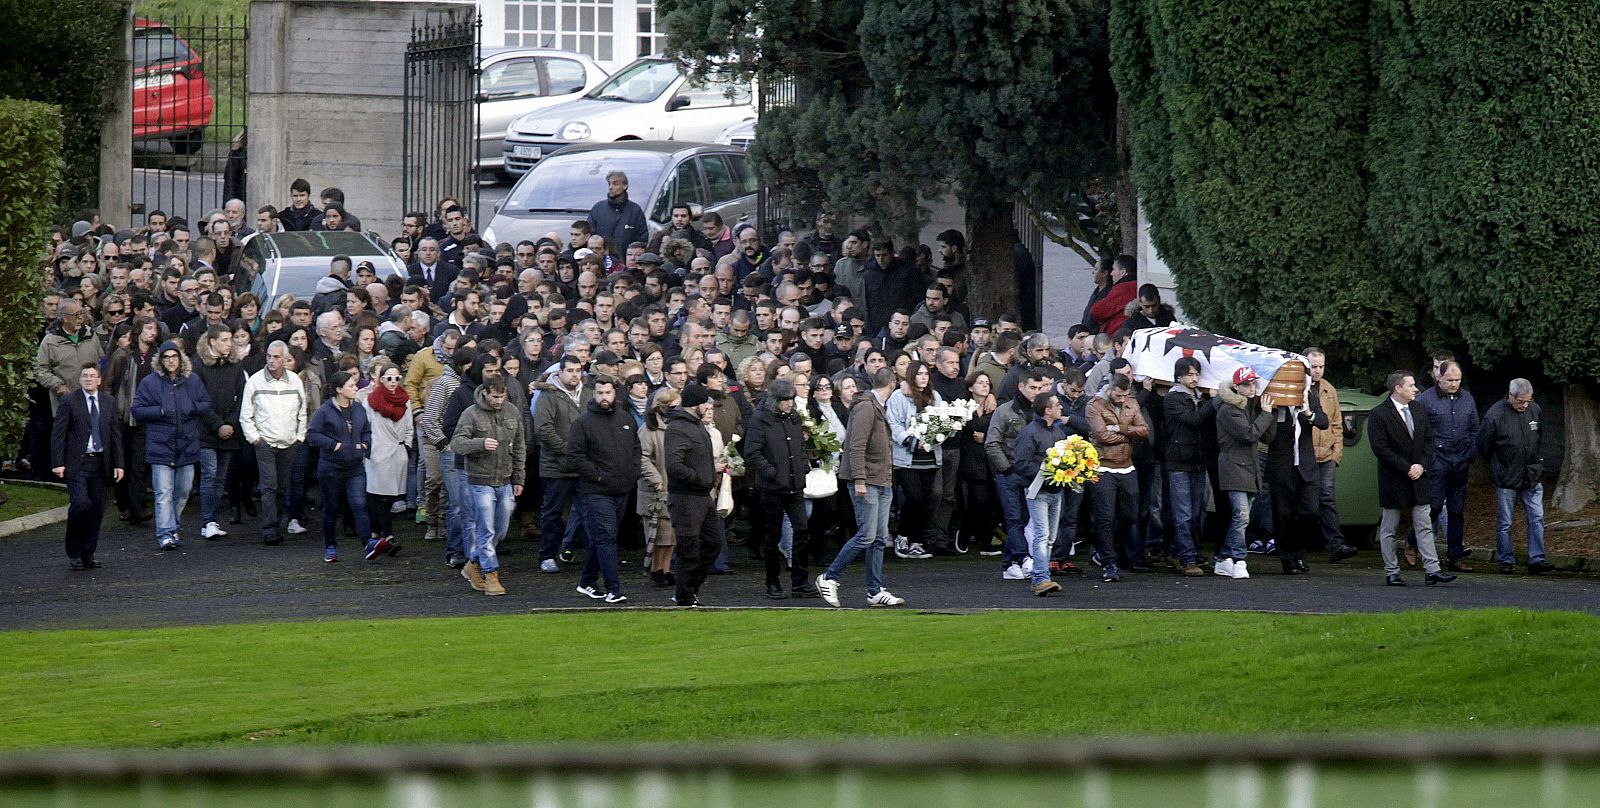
22,500
714,676
710,676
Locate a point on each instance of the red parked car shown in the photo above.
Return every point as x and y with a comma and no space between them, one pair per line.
171,100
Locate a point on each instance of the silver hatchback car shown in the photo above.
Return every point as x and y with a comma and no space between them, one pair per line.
516,81
564,186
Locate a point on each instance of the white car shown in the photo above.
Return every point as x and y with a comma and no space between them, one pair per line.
650,99
516,81
741,134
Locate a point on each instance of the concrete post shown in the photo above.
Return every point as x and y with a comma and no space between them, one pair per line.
116,136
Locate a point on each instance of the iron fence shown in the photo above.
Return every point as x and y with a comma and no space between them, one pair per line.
188,98
440,119
770,213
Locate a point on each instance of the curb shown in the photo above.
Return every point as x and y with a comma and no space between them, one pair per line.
22,524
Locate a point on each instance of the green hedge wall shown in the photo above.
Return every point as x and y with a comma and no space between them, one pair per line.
1485,150
30,178
66,52
1263,224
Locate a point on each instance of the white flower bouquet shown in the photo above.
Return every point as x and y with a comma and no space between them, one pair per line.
937,423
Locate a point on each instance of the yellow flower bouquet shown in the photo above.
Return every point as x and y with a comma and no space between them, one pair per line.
1071,464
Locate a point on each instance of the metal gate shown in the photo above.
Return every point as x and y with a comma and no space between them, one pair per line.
769,214
188,98
440,120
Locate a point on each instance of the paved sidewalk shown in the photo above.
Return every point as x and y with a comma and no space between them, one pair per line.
238,579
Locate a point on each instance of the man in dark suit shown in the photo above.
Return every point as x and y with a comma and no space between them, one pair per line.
1293,478
86,452
431,272
1402,438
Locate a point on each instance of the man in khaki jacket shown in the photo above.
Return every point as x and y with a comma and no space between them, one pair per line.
1329,446
1115,423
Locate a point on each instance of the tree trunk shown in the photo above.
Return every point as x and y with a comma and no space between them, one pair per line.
994,281
1580,462
1127,194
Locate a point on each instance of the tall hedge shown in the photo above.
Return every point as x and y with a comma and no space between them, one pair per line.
30,177
1265,107
1486,171
67,52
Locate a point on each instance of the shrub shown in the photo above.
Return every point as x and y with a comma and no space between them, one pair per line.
30,179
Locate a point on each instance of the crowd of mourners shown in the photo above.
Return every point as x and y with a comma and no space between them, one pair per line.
610,390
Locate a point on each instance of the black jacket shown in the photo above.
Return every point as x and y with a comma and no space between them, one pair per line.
444,277
691,469
293,218
1282,448
70,434
900,287
1191,426
603,447
1510,440
775,451
1397,451
224,381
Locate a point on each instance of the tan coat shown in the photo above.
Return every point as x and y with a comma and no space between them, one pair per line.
653,472
1329,443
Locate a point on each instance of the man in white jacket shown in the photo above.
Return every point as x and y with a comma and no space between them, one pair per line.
273,417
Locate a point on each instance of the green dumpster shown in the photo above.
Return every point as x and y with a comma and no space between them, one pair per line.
1356,483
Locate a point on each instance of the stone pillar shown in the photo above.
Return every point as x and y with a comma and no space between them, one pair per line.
327,83
116,136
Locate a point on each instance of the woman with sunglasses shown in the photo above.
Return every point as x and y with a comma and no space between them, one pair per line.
389,415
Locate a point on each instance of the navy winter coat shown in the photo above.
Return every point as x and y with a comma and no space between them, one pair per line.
348,429
1455,427
171,408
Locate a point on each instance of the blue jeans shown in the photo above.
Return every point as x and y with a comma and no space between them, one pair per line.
297,481
872,535
455,496
492,504
1014,507
214,465
1505,503
338,490
172,486
1067,526
1188,496
469,511
1044,519
1448,507
1240,503
601,514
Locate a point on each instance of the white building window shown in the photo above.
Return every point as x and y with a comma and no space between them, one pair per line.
651,39
585,26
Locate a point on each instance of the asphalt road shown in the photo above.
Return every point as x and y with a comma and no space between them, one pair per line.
238,579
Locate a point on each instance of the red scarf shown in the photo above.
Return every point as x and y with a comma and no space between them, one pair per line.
387,404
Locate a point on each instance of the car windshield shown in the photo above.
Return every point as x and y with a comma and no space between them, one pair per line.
159,45
304,243
639,82
574,182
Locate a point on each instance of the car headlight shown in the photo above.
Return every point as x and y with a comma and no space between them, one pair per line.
488,236
575,130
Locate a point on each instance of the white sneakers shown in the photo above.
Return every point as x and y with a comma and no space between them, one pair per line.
829,589
1027,565
885,598
212,530
1228,568
295,527
1014,573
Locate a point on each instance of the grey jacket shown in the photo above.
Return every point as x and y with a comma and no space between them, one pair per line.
553,414
1000,442
504,465
1241,425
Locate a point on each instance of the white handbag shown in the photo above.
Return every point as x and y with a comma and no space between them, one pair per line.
821,484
